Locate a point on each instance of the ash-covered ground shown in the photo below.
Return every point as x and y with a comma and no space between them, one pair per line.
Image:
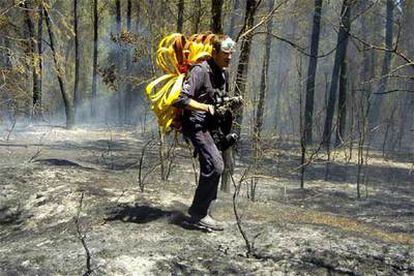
71,203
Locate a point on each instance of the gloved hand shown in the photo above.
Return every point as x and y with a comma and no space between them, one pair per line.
211,109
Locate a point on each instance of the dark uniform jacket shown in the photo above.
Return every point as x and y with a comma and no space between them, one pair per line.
202,83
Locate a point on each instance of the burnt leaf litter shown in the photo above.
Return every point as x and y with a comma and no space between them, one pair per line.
320,230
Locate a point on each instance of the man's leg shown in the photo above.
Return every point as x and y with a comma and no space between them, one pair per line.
211,168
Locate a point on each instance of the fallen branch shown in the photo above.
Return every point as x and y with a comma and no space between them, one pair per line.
66,162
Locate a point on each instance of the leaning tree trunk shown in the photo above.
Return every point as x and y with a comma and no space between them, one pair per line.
216,10
342,44
70,118
76,98
95,58
180,17
310,82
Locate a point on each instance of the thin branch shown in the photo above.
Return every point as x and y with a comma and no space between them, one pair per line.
141,161
371,46
394,90
298,47
81,237
6,10
264,20
249,244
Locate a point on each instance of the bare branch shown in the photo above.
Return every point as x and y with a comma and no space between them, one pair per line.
394,90
264,20
394,50
81,237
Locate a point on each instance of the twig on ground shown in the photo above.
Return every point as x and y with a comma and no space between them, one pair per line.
140,163
82,237
39,147
171,156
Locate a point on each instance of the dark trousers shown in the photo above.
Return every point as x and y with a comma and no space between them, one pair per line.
211,168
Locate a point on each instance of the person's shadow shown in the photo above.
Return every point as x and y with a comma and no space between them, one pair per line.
145,214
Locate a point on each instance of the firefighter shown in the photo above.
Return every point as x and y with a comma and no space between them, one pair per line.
202,82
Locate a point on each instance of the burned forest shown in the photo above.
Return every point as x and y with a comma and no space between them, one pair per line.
313,123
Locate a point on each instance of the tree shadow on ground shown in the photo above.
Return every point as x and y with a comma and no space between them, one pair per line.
142,214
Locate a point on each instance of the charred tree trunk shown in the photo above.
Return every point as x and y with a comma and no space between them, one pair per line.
95,58
32,52
263,87
70,118
343,90
310,83
240,87
378,98
407,121
243,66
76,96
342,44
258,124
180,18
216,10
129,12
197,16
128,87
233,18
37,98
119,62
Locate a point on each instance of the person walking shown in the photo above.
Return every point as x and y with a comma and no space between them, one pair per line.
201,85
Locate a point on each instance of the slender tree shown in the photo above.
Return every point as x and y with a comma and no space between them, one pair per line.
407,107
258,122
76,96
95,57
313,63
378,98
342,44
242,69
243,65
128,87
216,10
119,62
180,17
233,17
37,98
343,90
263,84
197,16
32,52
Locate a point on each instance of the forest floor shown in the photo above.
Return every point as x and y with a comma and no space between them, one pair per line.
71,203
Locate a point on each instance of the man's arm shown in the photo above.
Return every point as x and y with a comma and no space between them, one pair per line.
192,84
